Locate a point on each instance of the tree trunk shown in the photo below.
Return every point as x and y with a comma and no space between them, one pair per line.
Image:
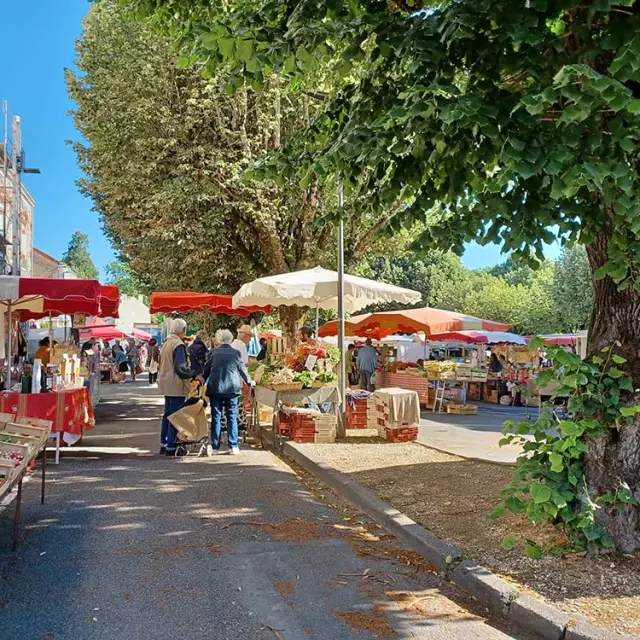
289,318
614,457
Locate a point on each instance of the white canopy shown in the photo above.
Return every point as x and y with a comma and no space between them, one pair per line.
319,288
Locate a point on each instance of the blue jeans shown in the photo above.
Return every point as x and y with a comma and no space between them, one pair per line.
169,433
230,408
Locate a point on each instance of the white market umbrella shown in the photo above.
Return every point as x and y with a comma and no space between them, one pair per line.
318,288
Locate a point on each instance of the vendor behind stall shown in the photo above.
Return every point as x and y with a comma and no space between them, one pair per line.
43,353
495,366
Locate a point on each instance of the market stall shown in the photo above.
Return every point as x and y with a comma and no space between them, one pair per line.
308,365
64,376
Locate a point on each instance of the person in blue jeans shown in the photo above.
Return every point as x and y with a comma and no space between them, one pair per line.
224,372
174,379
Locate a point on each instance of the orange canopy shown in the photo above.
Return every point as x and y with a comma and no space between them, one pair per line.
169,301
426,320
331,328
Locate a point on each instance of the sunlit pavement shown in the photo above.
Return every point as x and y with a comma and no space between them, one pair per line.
135,546
474,436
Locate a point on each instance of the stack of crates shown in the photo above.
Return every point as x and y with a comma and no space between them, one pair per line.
361,413
307,425
391,430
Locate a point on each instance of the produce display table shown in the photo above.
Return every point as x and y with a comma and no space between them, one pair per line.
20,446
274,400
70,411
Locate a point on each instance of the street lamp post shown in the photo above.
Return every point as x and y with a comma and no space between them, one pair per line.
342,425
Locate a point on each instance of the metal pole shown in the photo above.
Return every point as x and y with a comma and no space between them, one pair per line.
5,177
7,384
317,320
342,425
17,197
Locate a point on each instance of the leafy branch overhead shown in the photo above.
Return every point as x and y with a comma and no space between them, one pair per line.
166,155
511,117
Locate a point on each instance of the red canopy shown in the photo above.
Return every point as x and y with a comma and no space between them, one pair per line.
105,332
170,301
480,337
38,297
109,301
96,322
139,334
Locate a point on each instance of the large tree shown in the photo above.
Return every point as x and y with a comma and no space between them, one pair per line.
518,119
166,152
78,258
128,282
573,288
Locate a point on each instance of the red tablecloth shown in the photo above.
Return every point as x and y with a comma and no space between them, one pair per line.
70,411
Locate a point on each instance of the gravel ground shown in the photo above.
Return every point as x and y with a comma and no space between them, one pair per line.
130,545
453,497
352,458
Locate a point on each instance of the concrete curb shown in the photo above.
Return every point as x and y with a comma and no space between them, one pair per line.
493,592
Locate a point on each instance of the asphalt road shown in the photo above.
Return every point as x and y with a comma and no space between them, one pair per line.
134,546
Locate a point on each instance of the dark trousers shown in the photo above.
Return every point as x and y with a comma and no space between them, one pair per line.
365,380
153,377
169,433
230,407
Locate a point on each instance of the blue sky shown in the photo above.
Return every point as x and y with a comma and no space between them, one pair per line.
43,33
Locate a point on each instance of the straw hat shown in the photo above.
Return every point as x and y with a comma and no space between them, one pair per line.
245,328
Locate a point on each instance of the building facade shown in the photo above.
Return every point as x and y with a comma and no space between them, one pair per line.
16,209
46,266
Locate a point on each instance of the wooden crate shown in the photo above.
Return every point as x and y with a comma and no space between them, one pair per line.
462,409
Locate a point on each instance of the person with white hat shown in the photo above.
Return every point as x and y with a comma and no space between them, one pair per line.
241,342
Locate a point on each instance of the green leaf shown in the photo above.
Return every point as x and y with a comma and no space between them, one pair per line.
509,542
540,493
618,359
515,505
533,551
625,384
225,46
209,41
634,107
629,412
556,462
536,343
244,49
559,500
614,372
597,360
